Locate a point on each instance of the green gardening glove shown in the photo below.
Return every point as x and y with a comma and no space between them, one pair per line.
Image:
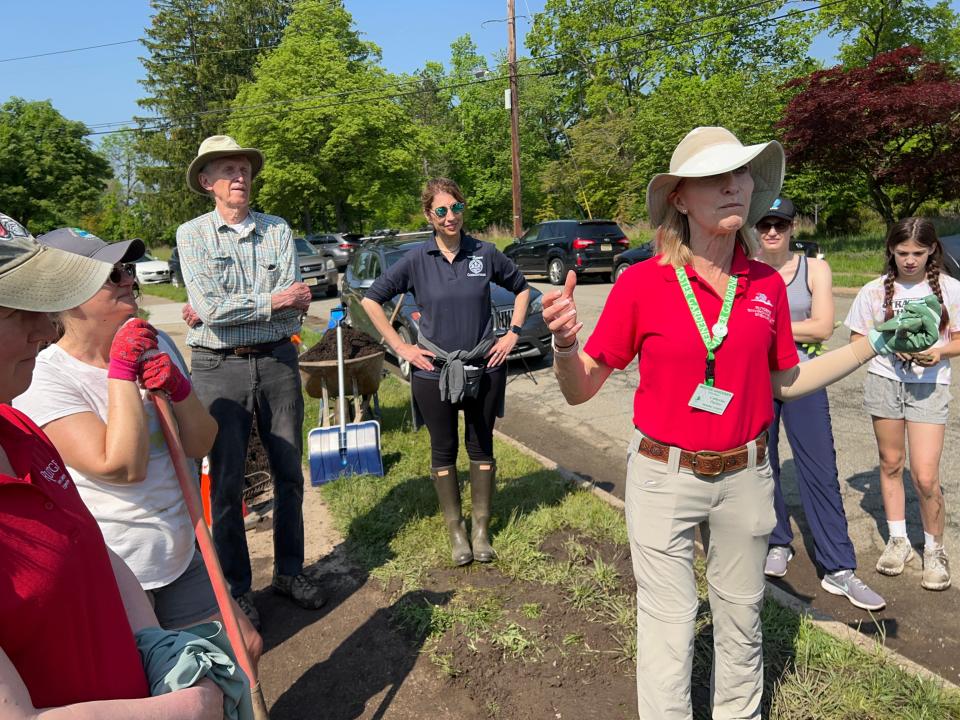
913,330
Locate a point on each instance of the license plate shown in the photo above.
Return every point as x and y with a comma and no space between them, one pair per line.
311,281
606,247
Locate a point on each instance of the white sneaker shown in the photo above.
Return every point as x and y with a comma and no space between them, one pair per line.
936,569
896,554
846,583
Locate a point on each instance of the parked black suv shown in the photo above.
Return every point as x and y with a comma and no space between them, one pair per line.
552,248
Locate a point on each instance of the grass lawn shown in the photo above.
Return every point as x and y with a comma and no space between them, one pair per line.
165,290
562,589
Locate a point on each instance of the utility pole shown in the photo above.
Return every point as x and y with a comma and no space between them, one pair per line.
514,117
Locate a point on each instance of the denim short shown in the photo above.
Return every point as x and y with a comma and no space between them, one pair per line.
913,402
187,600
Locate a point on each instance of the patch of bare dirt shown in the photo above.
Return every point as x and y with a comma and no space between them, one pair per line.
355,344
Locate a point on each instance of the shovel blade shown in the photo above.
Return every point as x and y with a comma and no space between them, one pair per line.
361,456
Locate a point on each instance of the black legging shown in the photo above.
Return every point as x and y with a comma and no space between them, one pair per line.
441,417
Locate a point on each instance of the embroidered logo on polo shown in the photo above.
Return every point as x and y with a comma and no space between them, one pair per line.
761,307
475,267
53,472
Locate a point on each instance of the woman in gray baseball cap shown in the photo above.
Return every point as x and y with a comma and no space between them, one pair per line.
65,594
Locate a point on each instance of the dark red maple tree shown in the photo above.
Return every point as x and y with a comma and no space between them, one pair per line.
895,124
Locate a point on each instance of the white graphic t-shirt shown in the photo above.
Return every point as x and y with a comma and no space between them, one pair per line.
145,523
867,311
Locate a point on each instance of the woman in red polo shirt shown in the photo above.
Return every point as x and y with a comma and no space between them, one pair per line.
68,604
712,329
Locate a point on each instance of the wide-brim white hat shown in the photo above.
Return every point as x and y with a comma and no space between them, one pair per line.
707,151
218,146
38,278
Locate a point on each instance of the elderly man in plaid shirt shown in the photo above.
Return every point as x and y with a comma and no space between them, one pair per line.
246,300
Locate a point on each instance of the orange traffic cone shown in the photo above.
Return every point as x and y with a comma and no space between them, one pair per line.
205,492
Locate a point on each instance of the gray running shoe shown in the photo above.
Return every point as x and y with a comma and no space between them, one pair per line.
777,558
846,583
936,569
897,553
245,602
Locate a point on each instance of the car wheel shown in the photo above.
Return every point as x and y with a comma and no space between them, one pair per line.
404,365
621,268
604,277
556,271
332,291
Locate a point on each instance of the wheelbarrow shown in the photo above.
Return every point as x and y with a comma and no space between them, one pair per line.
362,375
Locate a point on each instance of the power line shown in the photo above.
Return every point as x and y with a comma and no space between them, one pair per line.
164,123
71,50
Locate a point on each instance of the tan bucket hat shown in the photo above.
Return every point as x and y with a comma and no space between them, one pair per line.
709,151
44,279
218,146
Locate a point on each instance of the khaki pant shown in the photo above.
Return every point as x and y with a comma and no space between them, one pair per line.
664,504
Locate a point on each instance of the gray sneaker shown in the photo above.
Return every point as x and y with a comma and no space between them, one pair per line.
245,602
936,569
896,554
777,558
846,583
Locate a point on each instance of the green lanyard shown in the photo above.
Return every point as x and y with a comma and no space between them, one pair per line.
719,328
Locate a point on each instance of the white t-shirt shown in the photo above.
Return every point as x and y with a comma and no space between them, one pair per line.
145,523
867,311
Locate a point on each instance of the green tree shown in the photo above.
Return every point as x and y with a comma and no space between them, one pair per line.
871,27
339,153
49,174
610,53
200,52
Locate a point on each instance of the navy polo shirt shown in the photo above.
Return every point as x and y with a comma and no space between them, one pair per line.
454,298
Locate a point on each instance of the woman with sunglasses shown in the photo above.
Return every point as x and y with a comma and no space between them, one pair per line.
458,363
807,421
70,607
86,395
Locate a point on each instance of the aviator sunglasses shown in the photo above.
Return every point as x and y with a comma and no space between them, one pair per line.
120,271
441,212
764,226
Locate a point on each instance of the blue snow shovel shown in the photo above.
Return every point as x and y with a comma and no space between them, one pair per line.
350,449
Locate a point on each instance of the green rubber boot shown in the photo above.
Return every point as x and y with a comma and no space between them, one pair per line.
482,476
448,492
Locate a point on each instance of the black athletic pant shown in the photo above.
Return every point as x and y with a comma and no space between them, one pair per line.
441,417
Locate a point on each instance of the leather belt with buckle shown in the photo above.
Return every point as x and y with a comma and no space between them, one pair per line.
247,350
706,463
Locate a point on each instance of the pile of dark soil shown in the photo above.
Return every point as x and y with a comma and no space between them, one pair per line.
355,344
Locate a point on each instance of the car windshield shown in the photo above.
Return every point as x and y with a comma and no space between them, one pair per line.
598,231
304,248
393,257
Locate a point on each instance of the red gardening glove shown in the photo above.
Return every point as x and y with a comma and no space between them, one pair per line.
159,372
133,339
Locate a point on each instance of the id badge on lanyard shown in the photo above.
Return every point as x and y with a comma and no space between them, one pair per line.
707,397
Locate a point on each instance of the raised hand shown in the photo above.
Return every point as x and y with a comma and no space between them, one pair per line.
159,373
915,329
134,338
560,313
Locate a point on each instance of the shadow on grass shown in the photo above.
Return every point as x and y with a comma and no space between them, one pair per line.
780,630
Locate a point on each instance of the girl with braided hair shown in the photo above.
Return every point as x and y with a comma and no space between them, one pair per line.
908,394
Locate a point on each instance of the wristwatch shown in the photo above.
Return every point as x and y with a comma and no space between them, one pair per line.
516,329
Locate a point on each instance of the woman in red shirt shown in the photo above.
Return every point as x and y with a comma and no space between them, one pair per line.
712,329
70,606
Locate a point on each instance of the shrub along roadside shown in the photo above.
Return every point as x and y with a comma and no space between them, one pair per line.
559,542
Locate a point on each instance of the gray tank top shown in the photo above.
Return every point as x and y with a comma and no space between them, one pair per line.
800,299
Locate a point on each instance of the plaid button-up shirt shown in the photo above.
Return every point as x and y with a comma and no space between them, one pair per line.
230,277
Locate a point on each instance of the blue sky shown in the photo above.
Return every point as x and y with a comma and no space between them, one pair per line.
98,86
